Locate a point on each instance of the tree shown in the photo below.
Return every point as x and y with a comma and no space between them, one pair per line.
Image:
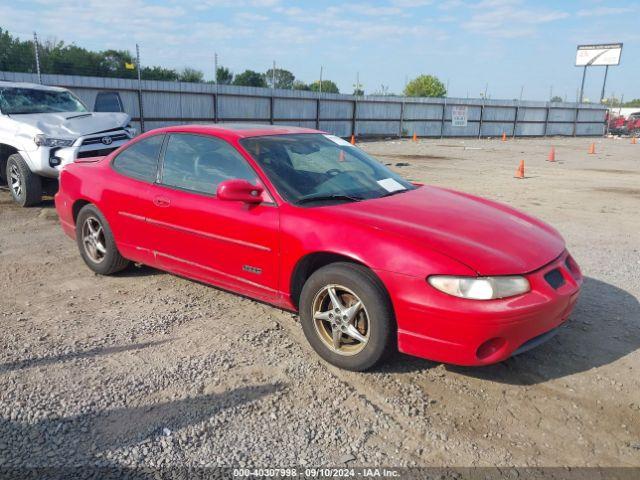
425,86
112,63
249,78
358,92
556,98
158,73
224,76
632,103
300,85
327,86
191,75
283,78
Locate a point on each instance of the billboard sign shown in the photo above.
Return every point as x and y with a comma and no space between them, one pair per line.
598,55
459,116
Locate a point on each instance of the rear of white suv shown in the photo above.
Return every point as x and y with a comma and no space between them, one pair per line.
44,128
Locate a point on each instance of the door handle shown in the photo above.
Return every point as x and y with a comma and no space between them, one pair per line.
161,201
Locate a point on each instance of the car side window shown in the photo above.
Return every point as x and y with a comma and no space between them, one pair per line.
140,160
200,163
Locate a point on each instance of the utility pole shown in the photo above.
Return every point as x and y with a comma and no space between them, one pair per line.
139,89
273,75
215,66
35,46
216,98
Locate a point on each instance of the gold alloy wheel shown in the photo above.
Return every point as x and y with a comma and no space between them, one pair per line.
93,239
341,320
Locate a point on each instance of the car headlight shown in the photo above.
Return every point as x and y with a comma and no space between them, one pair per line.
44,141
480,288
131,131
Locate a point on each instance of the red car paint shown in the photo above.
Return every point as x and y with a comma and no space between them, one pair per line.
402,238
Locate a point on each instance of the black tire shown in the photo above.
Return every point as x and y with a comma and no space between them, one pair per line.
29,190
111,261
381,320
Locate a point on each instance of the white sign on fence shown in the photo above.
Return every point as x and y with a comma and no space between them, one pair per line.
459,116
588,55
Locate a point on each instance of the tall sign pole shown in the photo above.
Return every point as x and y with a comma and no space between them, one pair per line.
35,46
581,95
604,83
139,89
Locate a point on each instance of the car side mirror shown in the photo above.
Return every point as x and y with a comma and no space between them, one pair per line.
239,191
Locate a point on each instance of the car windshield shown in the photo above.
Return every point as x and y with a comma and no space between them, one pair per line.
30,100
312,169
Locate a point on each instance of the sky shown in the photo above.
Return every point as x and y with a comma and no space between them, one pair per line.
505,46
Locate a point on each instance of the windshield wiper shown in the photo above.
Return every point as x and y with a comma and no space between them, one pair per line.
87,114
320,198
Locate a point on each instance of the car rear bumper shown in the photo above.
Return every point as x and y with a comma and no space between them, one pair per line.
448,329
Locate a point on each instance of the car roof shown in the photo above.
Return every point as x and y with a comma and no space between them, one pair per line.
238,130
34,86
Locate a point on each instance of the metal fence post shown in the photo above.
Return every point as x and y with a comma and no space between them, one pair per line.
271,108
401,118
444,114
318,113
354,118
546,119
481,116
515,121
575,120
215,108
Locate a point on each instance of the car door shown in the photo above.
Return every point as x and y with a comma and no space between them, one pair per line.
127,201
228,243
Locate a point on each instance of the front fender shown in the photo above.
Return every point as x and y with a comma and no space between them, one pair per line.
377,249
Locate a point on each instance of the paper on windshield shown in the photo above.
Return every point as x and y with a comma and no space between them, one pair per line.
390,185
338,141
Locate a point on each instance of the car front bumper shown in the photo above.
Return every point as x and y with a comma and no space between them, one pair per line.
48,161
448,329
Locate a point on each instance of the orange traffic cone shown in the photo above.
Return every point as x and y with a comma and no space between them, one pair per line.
520,170
353,139
415,137
634,140
592,149
504,137
552,155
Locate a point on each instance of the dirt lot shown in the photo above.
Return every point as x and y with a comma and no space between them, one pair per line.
146,368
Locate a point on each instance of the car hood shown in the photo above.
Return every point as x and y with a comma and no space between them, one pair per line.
72,124
489,237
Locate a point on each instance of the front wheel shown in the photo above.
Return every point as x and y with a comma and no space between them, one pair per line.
25,186
347,317
96,243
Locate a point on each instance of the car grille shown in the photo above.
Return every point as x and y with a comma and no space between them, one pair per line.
96,153
114,138
555,278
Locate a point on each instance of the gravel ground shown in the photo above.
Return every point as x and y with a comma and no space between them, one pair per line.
148,369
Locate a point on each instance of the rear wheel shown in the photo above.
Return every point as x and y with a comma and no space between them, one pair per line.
25,186
96,243
347,317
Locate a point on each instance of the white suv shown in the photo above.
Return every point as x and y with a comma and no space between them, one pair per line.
44,128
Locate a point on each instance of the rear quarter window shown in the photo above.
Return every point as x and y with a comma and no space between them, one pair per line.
140,160
108,102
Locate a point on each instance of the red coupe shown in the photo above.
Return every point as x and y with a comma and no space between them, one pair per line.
310,223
